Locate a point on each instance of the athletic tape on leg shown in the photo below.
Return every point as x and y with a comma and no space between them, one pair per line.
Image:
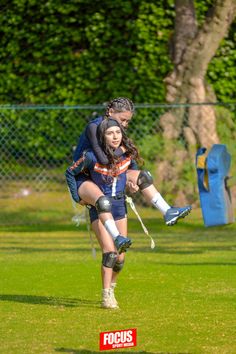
131,203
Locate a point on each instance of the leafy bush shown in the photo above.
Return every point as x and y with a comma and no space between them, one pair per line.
58,52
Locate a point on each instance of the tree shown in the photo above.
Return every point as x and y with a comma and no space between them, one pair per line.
192,48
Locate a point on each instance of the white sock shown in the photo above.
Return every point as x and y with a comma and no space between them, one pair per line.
160,203
113,285
105,292
111,228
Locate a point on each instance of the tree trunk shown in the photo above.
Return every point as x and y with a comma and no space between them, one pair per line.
192,50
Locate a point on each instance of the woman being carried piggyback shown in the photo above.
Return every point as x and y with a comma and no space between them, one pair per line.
122,110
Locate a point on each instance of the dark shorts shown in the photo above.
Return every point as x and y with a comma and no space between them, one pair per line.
81,178
118,210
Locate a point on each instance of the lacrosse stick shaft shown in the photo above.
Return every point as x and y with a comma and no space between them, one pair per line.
131,203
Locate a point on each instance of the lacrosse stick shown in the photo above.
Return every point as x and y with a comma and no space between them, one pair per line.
131,203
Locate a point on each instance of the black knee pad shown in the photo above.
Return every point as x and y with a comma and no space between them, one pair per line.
118,266
144,179
103,205
109,259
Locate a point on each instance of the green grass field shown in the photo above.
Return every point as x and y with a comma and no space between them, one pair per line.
180,296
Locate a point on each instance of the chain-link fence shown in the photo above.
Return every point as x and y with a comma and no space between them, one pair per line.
37,141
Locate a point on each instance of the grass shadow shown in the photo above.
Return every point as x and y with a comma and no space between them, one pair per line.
17,249
49,300
195,249
85,351
48,226
226,264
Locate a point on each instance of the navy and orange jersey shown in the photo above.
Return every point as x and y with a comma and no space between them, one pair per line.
111,183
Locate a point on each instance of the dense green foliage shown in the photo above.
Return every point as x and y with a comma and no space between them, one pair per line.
40,136
76,52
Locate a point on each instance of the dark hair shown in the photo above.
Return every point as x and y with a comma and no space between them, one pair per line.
131,149
119,104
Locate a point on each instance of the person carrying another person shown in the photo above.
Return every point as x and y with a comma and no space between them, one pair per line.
122,110
111,181
109,204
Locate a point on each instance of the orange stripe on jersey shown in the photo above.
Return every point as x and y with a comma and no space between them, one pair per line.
121,168
77,163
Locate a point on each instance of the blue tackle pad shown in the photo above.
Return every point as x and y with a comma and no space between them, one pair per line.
212,173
